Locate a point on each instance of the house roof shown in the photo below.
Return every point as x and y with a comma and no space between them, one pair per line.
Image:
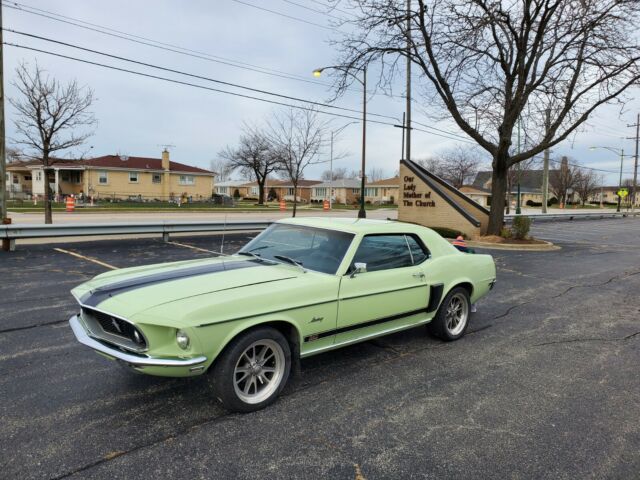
140,163
53,162
284,183
231,183
530,180
340,183
472,189
114,161
386,182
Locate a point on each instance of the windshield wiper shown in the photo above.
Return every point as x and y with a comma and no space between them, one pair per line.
289,260
258,248
256,256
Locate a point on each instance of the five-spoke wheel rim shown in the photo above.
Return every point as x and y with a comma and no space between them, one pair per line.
259,371
457,314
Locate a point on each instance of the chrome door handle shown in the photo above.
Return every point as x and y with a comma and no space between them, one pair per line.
418,275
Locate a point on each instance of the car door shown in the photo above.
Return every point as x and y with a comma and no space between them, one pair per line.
392,290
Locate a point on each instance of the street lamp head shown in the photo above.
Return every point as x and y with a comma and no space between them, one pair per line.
317,72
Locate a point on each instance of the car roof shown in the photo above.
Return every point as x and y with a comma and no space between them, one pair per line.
354,225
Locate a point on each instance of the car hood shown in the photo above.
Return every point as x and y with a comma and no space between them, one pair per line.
128,291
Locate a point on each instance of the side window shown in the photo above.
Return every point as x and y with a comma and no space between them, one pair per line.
418,252
383,252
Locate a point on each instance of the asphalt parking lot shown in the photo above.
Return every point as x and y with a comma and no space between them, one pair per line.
545,385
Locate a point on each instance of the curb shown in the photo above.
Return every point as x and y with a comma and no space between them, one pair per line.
545,247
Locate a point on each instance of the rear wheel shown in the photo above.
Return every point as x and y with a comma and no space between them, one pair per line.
452,319
253,370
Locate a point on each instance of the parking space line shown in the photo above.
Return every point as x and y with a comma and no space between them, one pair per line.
192,247
84,257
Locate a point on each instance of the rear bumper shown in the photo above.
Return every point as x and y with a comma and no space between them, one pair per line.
130,358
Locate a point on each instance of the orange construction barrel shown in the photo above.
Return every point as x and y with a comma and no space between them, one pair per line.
283,206
71,204
325,205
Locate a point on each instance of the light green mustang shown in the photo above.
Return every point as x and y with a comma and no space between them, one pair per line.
301,287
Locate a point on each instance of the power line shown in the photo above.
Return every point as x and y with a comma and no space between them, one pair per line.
332,7
444,131
291,2
181,82
159,45
221,82
181,50
577,165
189,84
291,17
200,77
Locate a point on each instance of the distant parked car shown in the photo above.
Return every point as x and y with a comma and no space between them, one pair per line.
221,199
301,287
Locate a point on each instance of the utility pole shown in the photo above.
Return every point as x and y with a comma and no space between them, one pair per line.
620,182
545,167
408,136
404,120
4,219
331,174
518,206
635,165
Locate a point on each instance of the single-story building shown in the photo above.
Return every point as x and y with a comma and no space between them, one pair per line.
480,195
343,190
282,190
230,187
383,191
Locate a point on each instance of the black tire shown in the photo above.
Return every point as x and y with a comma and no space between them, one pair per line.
228,384
440,326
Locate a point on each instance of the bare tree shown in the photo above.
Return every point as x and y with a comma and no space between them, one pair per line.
457,166
49,115
374,174
223,169
338,173
587,184
15,155
253,155
297,138
486,63
562,180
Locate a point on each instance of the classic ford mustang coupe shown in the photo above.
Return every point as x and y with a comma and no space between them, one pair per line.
301,287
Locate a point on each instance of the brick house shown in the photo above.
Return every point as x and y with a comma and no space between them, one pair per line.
115,177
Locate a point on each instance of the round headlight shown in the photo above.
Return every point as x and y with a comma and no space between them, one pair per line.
182,339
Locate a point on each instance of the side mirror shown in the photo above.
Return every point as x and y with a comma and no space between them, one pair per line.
358,268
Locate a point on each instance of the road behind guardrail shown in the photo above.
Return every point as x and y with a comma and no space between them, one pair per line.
26,231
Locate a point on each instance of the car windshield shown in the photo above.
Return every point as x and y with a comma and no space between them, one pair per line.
313,248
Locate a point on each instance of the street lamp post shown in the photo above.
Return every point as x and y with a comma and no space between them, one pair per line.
621,153
316,73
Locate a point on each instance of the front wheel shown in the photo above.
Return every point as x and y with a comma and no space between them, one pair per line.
452,318
253,370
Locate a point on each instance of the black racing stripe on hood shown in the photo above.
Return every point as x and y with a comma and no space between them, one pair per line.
98,295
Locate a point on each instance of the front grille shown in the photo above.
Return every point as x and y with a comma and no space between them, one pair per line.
114,326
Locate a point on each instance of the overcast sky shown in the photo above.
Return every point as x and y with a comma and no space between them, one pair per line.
138,115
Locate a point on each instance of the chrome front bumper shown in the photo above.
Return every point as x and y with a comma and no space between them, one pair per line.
131,359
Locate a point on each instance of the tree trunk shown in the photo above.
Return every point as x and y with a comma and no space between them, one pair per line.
261,191
295,199
48,217
498,194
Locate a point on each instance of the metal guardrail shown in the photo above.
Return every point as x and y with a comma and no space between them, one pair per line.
22,231
572,216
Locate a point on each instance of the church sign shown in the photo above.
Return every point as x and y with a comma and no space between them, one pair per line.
411,197
428,200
